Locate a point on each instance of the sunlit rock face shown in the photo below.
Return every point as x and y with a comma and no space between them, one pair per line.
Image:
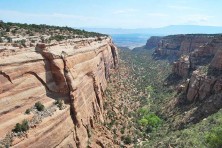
203,67
177,45
75,71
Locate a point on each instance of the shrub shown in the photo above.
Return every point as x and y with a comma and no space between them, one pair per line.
18,128
126,139
153,120
143,122
149,120
39,106
59,103
214,137
21,127
28,111
122,130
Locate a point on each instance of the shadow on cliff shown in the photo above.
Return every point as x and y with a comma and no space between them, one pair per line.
194,112
55,83
173,79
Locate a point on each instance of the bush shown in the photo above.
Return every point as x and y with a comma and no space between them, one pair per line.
214,137
122,130
59,103
149,120
126,139
28,111
21,127
39,106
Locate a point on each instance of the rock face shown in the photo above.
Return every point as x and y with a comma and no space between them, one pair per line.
75,71
152,42
204,67
176,45
200,56
182,66
200,67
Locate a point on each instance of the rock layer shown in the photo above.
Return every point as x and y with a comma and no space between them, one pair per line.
204,67
176,45
73,71
152,42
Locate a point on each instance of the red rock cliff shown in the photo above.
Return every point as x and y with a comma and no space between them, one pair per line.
203,70
75,71
176,45
152,42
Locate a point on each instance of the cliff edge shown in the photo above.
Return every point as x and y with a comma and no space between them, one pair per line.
74,72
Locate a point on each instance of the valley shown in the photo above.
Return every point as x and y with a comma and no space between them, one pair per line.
62,87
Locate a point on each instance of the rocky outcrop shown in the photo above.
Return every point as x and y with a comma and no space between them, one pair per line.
201,87
199,57
152,42
177,45
182,67
75,71
203,66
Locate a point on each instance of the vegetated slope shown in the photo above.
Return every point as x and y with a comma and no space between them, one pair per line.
194,115
147,115
18,32
136,95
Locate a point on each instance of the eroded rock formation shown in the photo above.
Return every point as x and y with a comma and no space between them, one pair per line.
199,72
74,71
177,45
152,42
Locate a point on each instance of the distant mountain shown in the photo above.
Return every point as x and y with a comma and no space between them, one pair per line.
174,29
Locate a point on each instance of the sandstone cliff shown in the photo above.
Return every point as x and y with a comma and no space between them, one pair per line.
176,45
152,42
201,70
75,71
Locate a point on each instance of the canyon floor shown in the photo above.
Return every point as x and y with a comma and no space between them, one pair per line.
142,87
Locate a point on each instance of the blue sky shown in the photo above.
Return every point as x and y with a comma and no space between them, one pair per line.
113,13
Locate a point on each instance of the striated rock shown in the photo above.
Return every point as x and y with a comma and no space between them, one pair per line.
216,62
182,66
73,71
199,57
200,86
152,42
176,45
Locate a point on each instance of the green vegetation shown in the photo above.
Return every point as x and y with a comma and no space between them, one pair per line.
21,127
59,103
55,31
39,106
154,124
28,111
214,137
126,139
150,120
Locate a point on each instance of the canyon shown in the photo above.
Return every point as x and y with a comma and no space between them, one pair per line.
63,87
196,59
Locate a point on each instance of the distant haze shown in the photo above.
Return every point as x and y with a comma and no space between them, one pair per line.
169,30
132,38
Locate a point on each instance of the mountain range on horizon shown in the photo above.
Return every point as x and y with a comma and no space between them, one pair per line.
168,30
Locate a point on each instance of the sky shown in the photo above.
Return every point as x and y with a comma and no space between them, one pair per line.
130,14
